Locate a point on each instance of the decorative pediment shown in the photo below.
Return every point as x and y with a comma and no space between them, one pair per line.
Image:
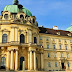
5,30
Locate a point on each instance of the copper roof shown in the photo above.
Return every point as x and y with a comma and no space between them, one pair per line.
54,32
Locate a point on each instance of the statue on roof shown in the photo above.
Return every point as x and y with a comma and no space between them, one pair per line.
15,2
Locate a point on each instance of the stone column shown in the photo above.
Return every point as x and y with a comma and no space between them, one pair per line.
8,60
34,60
28,60
11,63
66,66
31,60
60,65
27,36
16,60
12,34
16,34
42,61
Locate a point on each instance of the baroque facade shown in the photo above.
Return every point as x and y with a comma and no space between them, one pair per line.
22,40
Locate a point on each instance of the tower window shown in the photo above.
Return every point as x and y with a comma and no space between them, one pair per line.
6,16
35,40
33,21
21,16
22,38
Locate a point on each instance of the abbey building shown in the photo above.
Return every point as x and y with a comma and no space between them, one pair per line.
22,40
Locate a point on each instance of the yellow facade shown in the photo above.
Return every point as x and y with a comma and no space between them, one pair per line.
21,40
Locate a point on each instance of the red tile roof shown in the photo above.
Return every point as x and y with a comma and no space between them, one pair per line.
54,32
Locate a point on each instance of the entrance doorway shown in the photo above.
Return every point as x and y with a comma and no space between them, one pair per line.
62,65
21,62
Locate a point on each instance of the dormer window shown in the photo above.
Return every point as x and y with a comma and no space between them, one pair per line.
6,16
21,16
58,33
69,34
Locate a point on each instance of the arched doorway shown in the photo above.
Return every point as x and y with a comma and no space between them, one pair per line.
22,38
3,63
36,63
21,62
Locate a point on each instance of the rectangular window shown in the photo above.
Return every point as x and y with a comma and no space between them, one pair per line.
61,54
49,65
67,55
66,47
59,40
55,55
68,64
54,46
48,46
40,38
47,39
55,64
35,40
48,54
65,40
53,39
60,47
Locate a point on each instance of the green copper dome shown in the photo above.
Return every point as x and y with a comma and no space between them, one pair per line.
69,28
16,7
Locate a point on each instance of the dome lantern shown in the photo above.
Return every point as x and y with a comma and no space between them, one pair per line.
15,2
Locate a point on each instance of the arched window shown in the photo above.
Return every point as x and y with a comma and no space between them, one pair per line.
6,16
4,38
22,38
35,40
21,62
3,62
33,21
21,16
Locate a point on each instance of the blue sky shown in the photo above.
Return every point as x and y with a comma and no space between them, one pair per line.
49,13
